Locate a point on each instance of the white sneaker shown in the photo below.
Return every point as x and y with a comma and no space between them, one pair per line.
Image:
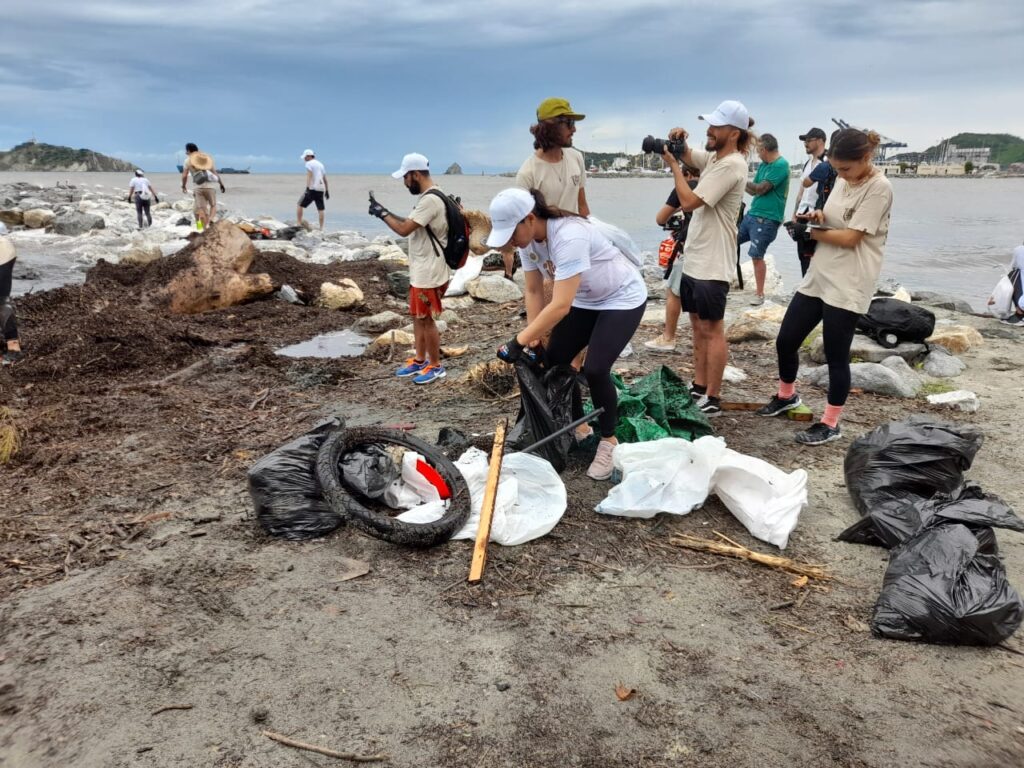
660,344
757,301
601,467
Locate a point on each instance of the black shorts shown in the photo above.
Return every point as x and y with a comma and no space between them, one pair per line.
704,298
312,196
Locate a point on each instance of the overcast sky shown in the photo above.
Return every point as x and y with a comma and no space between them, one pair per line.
362,82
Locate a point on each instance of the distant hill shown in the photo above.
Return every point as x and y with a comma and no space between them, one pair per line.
1006,148
31,156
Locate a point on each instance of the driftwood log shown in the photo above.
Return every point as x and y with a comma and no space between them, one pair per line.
218,276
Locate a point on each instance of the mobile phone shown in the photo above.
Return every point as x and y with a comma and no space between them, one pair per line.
821,227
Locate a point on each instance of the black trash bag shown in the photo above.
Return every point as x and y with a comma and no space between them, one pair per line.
452,442
894,520
285,490
370,470
545,406
891,321
907,461
942,588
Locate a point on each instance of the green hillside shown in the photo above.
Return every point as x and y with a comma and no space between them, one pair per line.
32,156
1006,148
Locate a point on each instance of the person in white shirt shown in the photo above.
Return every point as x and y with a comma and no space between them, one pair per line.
143,193
598,299
316,188
814,144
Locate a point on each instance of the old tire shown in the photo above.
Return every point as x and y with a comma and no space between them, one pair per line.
380,524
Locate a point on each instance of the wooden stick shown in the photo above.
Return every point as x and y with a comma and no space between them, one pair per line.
171,708
483,534
735,550
323,750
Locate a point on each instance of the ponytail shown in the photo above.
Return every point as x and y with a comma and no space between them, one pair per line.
852,144
544,211
746,137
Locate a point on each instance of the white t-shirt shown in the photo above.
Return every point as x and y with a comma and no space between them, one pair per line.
315,167
574,246
7,252
141,185
711,238
427,267
846,277
810,195
560,182
1018,258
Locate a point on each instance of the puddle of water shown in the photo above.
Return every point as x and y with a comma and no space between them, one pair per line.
336,344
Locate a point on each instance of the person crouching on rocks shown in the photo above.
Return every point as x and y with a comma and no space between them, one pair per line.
8,319
840,280
142,191
428,271
598,299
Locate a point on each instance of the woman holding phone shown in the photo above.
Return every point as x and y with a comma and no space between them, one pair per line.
841,279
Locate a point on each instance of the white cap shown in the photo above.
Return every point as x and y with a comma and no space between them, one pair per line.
729,113
308,153
508,208
414,161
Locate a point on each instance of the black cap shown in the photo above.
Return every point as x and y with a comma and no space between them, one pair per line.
814,133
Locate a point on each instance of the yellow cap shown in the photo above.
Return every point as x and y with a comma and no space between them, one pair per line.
551,108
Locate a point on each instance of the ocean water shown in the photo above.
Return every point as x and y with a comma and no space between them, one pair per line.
947,235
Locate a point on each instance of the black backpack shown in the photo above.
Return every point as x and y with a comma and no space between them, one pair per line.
891,321
456,250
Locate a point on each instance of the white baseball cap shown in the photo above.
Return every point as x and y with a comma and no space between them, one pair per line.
308,153
508,208
414,161
729,113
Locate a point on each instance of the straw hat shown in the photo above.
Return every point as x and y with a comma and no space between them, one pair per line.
200,161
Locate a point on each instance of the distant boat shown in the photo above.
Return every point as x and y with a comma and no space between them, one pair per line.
181,169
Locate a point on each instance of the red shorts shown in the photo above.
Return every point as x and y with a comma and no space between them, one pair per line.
426,302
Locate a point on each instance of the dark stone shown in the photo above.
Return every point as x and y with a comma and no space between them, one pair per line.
77,223
452,442
1002,332
503,686
398,284
25,273
941,301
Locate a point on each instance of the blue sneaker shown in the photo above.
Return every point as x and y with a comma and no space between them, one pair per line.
411,368
430,373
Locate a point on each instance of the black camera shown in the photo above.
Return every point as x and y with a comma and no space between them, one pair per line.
675,147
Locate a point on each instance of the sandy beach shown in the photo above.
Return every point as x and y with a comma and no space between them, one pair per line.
147,620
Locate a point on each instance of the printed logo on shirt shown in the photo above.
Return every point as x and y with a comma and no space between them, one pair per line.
576,180
848,213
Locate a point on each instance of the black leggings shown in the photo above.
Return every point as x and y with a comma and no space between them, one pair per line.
838,326
142,206
8,320
605,332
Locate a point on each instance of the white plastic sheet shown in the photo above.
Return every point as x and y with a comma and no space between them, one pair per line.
1001,302
412,488
470,270
531,498
676,476
621,239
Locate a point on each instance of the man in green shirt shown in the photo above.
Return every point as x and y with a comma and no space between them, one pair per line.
761,224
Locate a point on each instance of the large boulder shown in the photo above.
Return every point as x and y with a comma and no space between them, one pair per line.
398,285
37,218
77,223
902,368
654,314
870,377
344,294
494,288
943,365
459,302
141,255
12,217
773,283
941,301
217,276
399,338
868,350
380,322
761,324
957,339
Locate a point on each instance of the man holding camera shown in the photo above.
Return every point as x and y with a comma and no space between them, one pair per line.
814,145
711,241
767,210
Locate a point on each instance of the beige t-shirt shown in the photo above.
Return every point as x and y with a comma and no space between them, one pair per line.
711,239
427,267
560,182
7,252
206,184
846,277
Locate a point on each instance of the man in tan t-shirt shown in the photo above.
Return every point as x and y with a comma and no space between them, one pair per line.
427,230
710,260
555,168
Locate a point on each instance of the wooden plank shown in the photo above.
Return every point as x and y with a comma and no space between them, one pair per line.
794,415
483,534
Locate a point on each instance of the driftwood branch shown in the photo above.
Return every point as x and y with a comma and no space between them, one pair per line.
729,548
355,758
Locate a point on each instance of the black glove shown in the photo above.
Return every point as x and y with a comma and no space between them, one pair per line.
510,351
376,209
129,198
327,195
222,188
798,231
156,199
